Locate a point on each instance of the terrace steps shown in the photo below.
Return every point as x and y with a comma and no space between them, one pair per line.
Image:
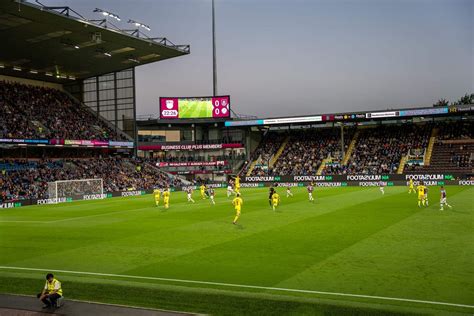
322,166
350,149
252,166
429,149
279,152
401,165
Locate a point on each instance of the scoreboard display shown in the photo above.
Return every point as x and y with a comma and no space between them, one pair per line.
195,107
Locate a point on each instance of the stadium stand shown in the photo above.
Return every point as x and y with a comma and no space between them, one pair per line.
380,149
453,150
28,179
40,112
267,148
306,150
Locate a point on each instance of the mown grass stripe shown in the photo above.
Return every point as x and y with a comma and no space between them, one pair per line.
398,299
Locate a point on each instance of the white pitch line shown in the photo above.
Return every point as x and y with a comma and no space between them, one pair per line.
125,276
7,221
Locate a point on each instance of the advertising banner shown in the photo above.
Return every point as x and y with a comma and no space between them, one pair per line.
192,164
67,142
356,177
190,147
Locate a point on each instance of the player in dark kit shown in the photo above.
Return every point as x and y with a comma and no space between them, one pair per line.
270,195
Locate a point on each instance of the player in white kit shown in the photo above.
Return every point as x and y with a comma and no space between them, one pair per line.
230,190
310,189
189,192
382,186
211,196
288,192
443,201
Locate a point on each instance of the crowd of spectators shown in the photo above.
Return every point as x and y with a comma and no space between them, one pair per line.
453,150
265,151
462,160
379,150
29,180
455,131
306,150
40,112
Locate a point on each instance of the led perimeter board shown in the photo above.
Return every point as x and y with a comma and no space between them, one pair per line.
195,107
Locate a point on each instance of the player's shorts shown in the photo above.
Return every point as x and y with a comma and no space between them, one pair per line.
443,201
229,188
166,201
421,196
157,198
237,210
189,196
275,203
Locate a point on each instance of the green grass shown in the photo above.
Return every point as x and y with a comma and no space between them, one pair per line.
352,240
195,109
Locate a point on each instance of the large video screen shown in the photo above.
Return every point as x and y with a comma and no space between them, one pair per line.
195,107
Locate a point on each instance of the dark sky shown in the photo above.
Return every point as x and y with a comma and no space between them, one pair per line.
292,57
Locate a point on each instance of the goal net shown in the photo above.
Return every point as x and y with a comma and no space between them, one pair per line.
60,191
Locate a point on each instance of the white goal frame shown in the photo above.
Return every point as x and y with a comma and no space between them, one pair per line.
57,196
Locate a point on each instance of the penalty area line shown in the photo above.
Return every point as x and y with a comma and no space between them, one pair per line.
137,277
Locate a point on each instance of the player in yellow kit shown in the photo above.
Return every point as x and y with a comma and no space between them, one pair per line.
237,184
237,202
421,194
202,190
411,187
157,194
275,200
166,198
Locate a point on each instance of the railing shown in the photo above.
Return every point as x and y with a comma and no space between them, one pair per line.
106,24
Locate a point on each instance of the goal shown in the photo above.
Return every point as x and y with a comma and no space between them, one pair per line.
60,191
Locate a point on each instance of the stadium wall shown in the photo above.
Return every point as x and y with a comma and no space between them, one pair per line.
31,82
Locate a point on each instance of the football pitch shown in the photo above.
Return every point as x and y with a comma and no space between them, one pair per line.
195,109
352,252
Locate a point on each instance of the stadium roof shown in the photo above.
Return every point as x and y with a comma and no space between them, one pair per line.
57,44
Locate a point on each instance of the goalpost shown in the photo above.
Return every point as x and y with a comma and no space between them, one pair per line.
60,191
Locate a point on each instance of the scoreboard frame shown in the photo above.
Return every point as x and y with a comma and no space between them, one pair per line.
227,116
